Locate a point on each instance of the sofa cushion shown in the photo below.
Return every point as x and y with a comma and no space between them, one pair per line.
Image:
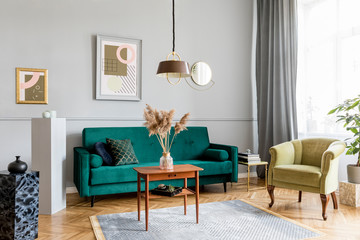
122,151
101,149
216,154
95,161
126,173
298,174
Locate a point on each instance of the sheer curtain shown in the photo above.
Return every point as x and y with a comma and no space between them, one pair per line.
329,63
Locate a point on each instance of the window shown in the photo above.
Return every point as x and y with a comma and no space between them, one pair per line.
329,62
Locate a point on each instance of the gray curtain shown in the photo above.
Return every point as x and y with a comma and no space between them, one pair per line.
276,65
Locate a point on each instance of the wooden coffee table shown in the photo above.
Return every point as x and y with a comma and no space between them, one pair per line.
183,171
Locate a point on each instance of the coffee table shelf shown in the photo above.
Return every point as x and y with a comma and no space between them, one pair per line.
185,191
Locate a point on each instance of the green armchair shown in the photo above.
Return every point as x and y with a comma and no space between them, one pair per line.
309,165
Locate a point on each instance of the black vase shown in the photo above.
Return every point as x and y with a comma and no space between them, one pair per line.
17,166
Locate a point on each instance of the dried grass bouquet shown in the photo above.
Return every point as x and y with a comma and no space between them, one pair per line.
159,124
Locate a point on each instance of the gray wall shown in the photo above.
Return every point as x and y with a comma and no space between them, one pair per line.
61,37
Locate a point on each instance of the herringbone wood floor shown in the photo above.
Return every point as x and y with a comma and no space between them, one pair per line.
73,222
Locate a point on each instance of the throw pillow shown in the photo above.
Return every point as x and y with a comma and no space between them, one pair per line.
122,151
95,161
101,149
216,154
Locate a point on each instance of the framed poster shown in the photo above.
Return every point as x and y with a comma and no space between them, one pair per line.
118,63
31,85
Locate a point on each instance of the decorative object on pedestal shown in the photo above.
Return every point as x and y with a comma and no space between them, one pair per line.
48,154
349,194
19,205
348,112
159,124
49,114
17,166
52,114
46,114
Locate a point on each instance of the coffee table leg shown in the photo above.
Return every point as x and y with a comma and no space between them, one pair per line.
147,202
185,196
138,195
197,195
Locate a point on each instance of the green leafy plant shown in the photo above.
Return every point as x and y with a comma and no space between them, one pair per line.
348,112
171,188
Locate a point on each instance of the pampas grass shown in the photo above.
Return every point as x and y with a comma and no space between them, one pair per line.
159,124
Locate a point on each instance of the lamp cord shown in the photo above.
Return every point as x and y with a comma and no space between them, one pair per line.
173,16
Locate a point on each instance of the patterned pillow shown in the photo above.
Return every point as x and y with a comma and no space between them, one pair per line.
122,151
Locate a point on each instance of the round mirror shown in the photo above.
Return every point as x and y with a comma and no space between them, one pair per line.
201,73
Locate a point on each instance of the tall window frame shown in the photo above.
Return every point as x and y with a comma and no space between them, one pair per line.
329,63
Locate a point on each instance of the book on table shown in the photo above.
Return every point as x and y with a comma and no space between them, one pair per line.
244,154
249,157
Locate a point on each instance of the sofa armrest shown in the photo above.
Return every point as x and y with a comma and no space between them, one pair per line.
82,171
281,154
330,167
233,156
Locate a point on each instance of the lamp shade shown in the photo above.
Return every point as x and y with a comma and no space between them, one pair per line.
173,69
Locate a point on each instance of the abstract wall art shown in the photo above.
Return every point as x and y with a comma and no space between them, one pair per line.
31,85
118,68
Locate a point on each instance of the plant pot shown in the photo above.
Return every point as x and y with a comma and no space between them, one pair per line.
353,173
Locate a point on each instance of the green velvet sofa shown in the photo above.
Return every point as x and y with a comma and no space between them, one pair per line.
188,148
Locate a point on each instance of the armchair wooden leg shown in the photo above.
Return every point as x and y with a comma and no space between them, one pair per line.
333,196
324,200
300,194
224,186
270,189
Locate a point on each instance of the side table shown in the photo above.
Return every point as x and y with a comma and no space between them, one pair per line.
19,205
249,164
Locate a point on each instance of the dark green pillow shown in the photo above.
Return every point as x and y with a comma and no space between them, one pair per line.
216,154
122,151
95,161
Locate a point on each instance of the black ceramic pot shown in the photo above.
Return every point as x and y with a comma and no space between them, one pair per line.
17,166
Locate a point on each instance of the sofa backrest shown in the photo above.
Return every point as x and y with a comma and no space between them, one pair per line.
188,145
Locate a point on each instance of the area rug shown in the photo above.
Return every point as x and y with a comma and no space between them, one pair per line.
217,220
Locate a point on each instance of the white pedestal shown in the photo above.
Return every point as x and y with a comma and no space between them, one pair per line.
349,194
48,145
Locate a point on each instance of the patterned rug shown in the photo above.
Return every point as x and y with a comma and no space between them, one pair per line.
217,220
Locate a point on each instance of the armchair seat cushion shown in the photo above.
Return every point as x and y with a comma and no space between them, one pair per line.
298,174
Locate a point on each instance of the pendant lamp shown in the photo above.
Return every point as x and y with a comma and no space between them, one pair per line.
173,67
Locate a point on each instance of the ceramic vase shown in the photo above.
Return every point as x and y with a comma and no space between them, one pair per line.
17,166
166,161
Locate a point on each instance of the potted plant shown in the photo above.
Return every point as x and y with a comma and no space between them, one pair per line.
159,124
349,113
